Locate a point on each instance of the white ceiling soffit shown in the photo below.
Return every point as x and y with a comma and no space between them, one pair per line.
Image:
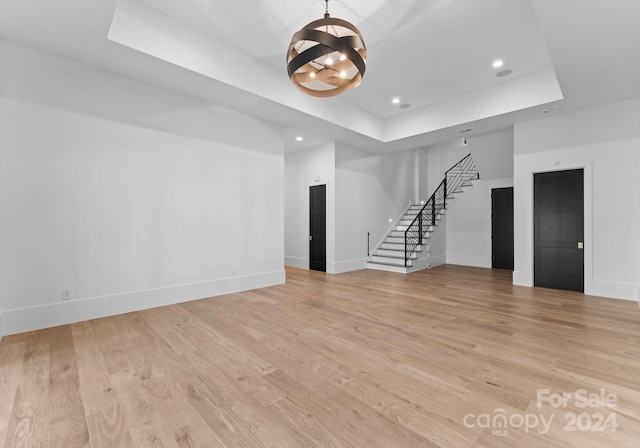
243,44
144,29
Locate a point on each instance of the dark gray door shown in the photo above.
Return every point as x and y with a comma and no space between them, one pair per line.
502,228
559,230
318,228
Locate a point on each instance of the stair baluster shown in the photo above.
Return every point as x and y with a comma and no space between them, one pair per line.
455,180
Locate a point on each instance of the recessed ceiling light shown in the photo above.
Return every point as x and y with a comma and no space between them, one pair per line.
498,63
405,106
299,138
396,100
503,73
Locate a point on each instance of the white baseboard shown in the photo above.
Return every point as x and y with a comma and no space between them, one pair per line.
522,278
593,287
425,263
332,268
295,262
478,262
437,260
346,266
613,290
51,315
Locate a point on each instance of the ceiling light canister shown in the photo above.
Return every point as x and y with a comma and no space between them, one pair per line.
327,57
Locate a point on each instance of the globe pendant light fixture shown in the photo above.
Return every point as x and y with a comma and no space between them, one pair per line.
327,57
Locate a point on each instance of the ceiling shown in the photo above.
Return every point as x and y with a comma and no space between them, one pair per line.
436,56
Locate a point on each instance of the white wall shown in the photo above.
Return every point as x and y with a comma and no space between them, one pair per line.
605,142
421,174
364,192
125,216
468,223
492,152
303,169
370,191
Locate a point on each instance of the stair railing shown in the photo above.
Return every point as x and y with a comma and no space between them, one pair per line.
455,178
461,173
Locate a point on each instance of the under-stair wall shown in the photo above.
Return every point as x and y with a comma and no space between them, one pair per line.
468,235
469,225
367,195
406,246
370,190
363,193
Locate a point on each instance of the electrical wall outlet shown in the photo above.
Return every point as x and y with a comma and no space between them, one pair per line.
66,294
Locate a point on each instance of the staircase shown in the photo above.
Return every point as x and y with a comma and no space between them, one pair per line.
402,249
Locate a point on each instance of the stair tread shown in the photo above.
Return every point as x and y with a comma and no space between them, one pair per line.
400,254
390,268
389,264
391,250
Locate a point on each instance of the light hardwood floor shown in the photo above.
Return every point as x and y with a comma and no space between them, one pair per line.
365,359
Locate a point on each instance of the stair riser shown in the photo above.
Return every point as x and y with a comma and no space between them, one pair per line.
400,239
390,253
390,261
400,234
412,217
407,222
414,214
384,267
393,254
